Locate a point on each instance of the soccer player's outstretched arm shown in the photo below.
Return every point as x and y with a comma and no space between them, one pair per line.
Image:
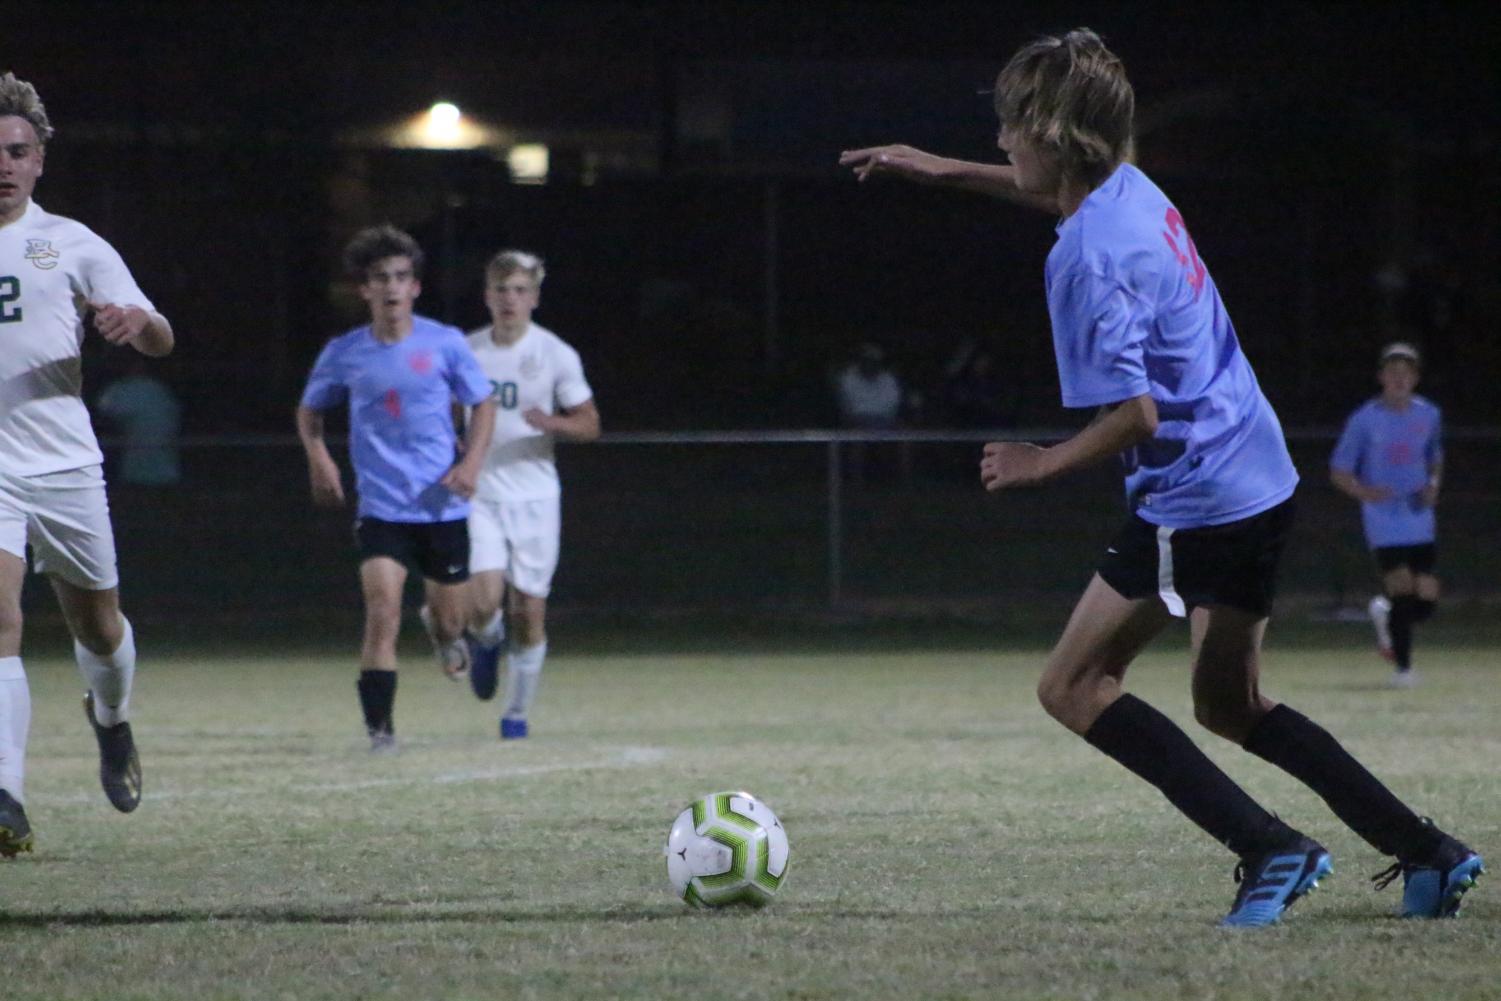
992,179
323,472
1116,428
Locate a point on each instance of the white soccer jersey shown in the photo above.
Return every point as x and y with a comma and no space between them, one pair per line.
540,370
50,269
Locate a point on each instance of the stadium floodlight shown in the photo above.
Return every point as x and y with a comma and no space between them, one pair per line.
528,163
441,127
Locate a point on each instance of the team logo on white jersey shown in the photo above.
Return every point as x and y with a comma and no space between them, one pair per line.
40,253
531,367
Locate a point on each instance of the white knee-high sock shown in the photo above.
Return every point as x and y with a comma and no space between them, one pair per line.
110,677
524,672
15,723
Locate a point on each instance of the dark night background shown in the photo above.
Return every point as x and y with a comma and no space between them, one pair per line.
1337,165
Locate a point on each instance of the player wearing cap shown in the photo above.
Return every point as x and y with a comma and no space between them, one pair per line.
1390,458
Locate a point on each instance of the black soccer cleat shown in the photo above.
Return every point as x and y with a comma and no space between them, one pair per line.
15,829
119,765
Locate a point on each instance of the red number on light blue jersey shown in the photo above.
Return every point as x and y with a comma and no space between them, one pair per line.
1186,253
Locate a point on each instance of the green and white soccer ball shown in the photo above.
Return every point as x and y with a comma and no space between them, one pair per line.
727,848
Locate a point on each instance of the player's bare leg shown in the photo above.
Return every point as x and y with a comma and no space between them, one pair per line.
15,711
1227,671
104,648
528,652
1084,671
381,582
445,609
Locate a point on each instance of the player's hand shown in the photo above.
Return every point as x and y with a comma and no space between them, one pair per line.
119,324
1428,496
328,490
895,160
1008,464
462,479
539,418
1375,495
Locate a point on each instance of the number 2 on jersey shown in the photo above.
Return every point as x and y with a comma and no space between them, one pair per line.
10,291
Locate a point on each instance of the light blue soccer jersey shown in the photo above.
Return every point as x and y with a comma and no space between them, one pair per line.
1395,449
401,434
1135,313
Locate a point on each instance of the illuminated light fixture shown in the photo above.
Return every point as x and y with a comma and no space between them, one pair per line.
443,126
528,163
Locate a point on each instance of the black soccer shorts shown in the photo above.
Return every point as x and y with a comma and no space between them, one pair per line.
1419,559
1234,564
438,549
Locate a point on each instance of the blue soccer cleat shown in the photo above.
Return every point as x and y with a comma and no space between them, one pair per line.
484,667
512,729
1433,887
1270,883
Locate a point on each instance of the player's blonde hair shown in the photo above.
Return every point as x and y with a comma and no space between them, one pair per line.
1070,93
19,98
508,262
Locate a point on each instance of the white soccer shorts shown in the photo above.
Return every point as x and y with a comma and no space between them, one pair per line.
65,517
519,538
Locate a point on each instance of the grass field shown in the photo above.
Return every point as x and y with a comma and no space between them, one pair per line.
947,839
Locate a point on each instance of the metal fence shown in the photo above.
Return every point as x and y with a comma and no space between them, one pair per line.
751,521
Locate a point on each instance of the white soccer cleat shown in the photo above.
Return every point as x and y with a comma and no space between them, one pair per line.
453,658
1380,610
1403,679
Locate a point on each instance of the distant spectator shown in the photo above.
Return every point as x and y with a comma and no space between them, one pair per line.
870,397
868,392
976,396
145,412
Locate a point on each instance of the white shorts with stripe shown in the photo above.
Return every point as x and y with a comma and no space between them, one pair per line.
65,518
519,538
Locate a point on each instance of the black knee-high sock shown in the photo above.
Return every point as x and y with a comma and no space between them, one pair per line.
1400,623
1422,609
1153,746
377,698
1307,752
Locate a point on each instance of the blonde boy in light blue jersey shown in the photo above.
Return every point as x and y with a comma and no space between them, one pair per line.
1139,331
